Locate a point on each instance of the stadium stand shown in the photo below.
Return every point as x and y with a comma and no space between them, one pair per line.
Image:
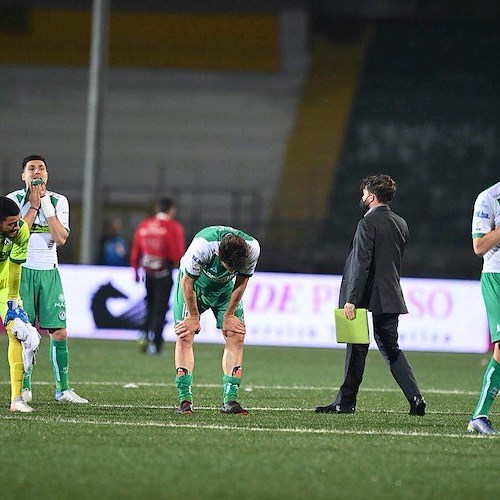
427,114
314,149
228,116
211,136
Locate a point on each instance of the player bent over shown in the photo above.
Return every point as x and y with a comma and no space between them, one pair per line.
23,337
213,274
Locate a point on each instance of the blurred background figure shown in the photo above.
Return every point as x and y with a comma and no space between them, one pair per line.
114,247
158,245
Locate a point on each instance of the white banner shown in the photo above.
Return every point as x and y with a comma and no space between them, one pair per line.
281,310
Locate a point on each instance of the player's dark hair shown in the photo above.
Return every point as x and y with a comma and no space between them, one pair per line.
32,158
382,186
8,208
233,251
165,204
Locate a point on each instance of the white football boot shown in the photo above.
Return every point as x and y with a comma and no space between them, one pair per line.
70,396
20,405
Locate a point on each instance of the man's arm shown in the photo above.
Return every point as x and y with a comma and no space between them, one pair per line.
361,259
191,324
230,321
14,280
31,216
35,196
57,231
17,257
187,284
485,243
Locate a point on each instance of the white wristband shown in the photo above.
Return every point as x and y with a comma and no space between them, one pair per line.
47,207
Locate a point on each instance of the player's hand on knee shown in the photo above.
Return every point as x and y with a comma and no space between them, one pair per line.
232,323
188,326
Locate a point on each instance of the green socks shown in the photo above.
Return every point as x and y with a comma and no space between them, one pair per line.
184,383
27,380
489,389
59,358
230,386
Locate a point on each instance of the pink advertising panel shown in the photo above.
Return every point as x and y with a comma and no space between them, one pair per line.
281,310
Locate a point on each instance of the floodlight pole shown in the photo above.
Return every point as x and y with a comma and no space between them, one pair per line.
91,198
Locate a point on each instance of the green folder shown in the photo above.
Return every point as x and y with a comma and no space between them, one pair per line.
355,331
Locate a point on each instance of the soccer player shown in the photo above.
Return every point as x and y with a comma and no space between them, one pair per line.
486,244
47,215
23,338
214,273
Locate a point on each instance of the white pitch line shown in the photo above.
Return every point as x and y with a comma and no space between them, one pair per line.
204,427
359,410
258,387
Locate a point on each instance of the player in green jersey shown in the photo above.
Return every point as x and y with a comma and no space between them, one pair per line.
23,338
213,274
486,244
47,215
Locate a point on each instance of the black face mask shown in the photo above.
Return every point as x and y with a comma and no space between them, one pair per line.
362,206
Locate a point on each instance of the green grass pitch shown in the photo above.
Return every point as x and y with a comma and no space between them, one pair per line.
129,443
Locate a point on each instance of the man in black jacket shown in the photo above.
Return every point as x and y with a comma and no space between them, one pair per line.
371,280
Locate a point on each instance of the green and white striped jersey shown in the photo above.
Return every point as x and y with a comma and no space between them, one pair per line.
42,250
201,259
486,218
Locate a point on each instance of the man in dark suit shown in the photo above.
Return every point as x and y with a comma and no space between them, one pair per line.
371,280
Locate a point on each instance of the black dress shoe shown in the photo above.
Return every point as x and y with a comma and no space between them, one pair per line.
417,405
334,409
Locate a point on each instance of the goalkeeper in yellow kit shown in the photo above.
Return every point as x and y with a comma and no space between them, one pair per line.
23,337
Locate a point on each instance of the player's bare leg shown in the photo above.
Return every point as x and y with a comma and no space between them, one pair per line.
232,361
184,365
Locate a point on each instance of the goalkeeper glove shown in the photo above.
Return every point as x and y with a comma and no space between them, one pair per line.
14,310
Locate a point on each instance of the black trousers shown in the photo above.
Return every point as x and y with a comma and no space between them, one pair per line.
157,298
385,328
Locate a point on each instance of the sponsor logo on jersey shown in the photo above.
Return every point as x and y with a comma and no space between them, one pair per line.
498,327
481,214
211,273
62,315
